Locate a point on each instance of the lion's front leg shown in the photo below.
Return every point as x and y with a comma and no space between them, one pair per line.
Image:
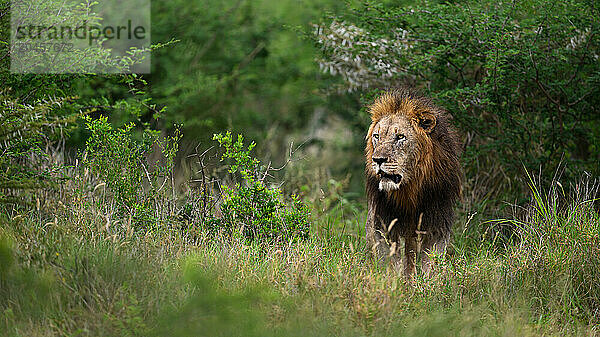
432,245
410,255
383,249
378,241
435,236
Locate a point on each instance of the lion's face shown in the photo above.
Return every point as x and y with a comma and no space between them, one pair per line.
395,151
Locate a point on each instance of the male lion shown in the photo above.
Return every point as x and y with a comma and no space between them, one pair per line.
413,178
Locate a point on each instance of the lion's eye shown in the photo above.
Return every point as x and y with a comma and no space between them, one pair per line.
400,137
375,137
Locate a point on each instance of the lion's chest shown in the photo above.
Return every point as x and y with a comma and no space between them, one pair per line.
396,219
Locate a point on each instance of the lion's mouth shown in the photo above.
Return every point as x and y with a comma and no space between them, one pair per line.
393,177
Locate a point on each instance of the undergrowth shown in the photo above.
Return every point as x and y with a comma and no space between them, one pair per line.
63,276
233,256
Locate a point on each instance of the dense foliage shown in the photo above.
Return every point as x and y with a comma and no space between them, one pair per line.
238,65
521,78
25,132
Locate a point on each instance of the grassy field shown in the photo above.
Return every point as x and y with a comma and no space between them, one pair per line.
71,272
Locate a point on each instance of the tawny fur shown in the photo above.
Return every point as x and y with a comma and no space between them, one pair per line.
419,146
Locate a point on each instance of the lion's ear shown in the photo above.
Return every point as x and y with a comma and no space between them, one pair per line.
427,121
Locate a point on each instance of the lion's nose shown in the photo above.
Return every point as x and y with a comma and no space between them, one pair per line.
380,160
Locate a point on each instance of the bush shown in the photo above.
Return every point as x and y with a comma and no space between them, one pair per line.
122,163
26,130
520,79
251,206
144,191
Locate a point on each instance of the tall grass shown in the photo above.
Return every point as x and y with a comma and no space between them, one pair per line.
65,275
557,261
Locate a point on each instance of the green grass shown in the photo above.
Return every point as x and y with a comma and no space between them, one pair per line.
69,275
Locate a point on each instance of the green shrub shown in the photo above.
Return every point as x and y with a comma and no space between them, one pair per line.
25,132
251,206
138,189
122,162
521,79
